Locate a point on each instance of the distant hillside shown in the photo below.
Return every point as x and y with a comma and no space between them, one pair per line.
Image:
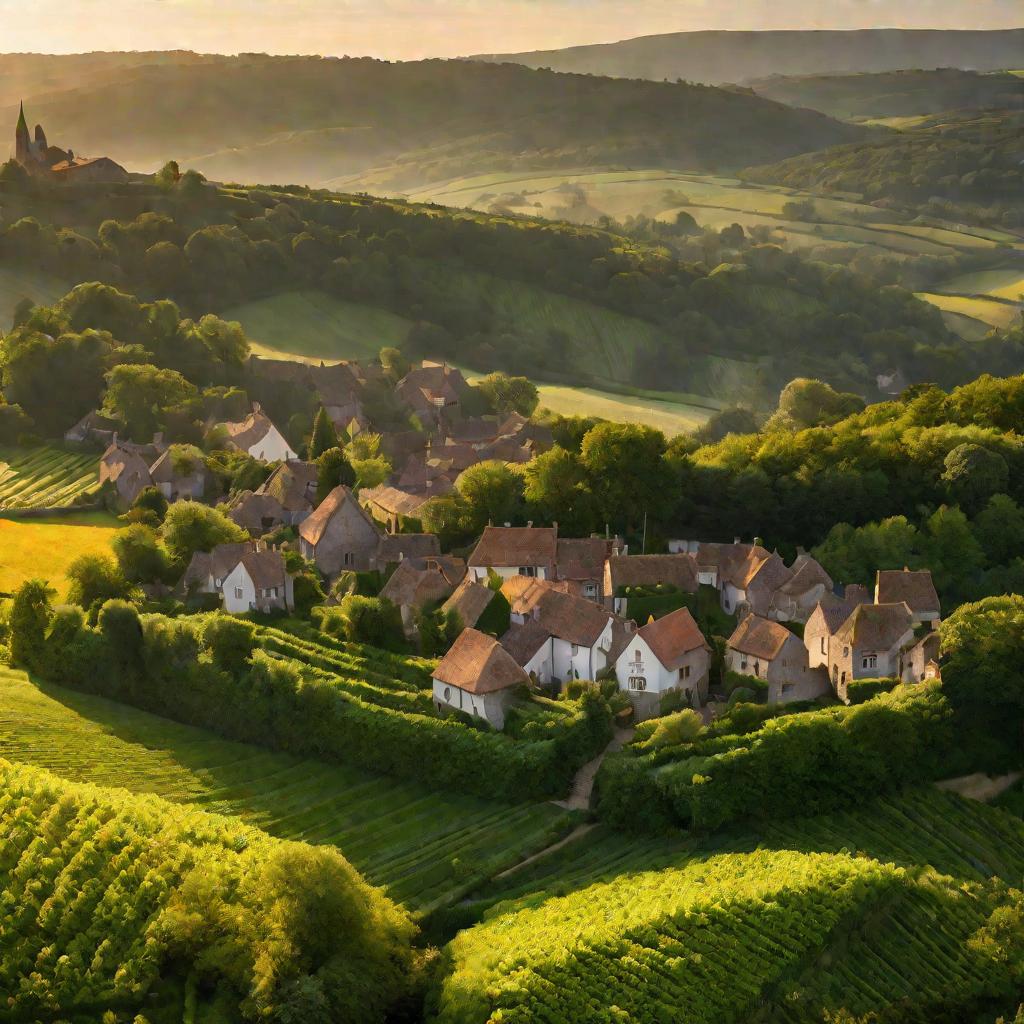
896,94
966,163
311,120
717,57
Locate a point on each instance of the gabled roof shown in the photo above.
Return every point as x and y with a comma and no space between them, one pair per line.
572,619
648,570
396,546
119,458
415,584
807,572
833,612
876,627
216,563
293,484
672,637
477,663
265,568
508,546
249,510
740,563
398,502
163,470
250,431
524,639
580,558
771,573
915,588
312,527
759,637
470,601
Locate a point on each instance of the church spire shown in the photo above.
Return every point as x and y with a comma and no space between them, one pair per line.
22,145
22,123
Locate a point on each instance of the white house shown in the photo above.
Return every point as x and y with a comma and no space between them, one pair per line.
258,437
556,636
667,654
259,582
515,551
478,677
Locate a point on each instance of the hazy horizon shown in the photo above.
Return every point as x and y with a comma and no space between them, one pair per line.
411,29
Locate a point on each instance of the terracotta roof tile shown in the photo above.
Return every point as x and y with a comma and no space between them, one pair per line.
470,601
876,627
915,588
581,558
524,639
508,546
648,570
759,637
477,663
672,637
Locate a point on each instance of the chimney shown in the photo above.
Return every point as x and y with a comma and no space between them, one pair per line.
507,525
529,524
554,526
256,407
735,540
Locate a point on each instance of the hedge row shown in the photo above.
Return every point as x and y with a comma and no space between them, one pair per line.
793,765
210,675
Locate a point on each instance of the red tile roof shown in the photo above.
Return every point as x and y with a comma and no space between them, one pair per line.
672,637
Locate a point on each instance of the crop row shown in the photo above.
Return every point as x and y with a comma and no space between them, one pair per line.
45,477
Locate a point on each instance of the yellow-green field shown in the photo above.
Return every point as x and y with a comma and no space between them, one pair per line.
669,417
1000,283
311,325
17,284
44,548
988,311
48,476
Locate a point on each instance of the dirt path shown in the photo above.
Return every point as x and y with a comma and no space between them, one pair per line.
579,830
583,784
979,786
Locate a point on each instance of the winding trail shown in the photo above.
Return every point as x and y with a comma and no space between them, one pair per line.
583,783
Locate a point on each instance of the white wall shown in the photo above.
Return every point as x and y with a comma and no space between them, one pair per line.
659,679
506,572
732,596
272,448
489,706
239,591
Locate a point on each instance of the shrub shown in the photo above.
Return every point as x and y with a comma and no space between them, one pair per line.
372,620
230,640
860,690
681,727
95,578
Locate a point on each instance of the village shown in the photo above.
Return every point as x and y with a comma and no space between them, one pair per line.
532,608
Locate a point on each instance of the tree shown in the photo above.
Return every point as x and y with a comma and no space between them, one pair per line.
557,488
139,396
372,620
29,617
735,419
168,175
953,552
93,578
999,528
190,527
396,366
332,469
231,642
140,556
807,403
973,473
152,499
509,394
627,474
492,492
324,437
853,554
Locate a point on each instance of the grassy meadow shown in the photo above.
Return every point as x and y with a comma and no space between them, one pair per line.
424,847
44,548
670,417
17,283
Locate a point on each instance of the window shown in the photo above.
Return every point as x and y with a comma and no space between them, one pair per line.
787,688
590,589
575,649
869,661
636,655
527,570
757,668
823,651
447,693
350,558
686,671
743,664
637,683
846,652
239,593
843,679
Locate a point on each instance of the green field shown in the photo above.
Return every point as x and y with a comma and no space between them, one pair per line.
669,417
44,548
986,311
1002,283
424,847
311,325
45,477
17,284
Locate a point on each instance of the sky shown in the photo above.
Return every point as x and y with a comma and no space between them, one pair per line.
409,29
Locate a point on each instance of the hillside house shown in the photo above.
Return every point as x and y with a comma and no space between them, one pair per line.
915,589
515,551
257,436
921,661
259,582
667,654
92,428
581,563
556,636
181,476
870,644
825,620
339,536
393,548
125,467
796,598
293,485
765,649
621,571
478,677
469,601
393,506
432,389
418,582
747,581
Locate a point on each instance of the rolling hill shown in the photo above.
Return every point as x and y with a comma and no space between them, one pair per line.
718,57
896,94
428,120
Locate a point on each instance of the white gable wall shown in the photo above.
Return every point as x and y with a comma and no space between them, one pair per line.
490,707
272,447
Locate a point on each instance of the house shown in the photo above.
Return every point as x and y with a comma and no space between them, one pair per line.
339,536
516,551
556,636
418,582
667,654
256,513
581,562
747,579
181,476
207,570
258,437
125,468
469,602
797,597
260,582
293,486
621,571
823,623
92,428
921,661
478,677
915,589
391,506
765,649
432,389
395,547
870,644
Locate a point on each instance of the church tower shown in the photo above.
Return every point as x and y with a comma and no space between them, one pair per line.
22,144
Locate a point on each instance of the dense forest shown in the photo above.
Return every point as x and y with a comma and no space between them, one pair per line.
964,165
896,93
208,248
436,119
